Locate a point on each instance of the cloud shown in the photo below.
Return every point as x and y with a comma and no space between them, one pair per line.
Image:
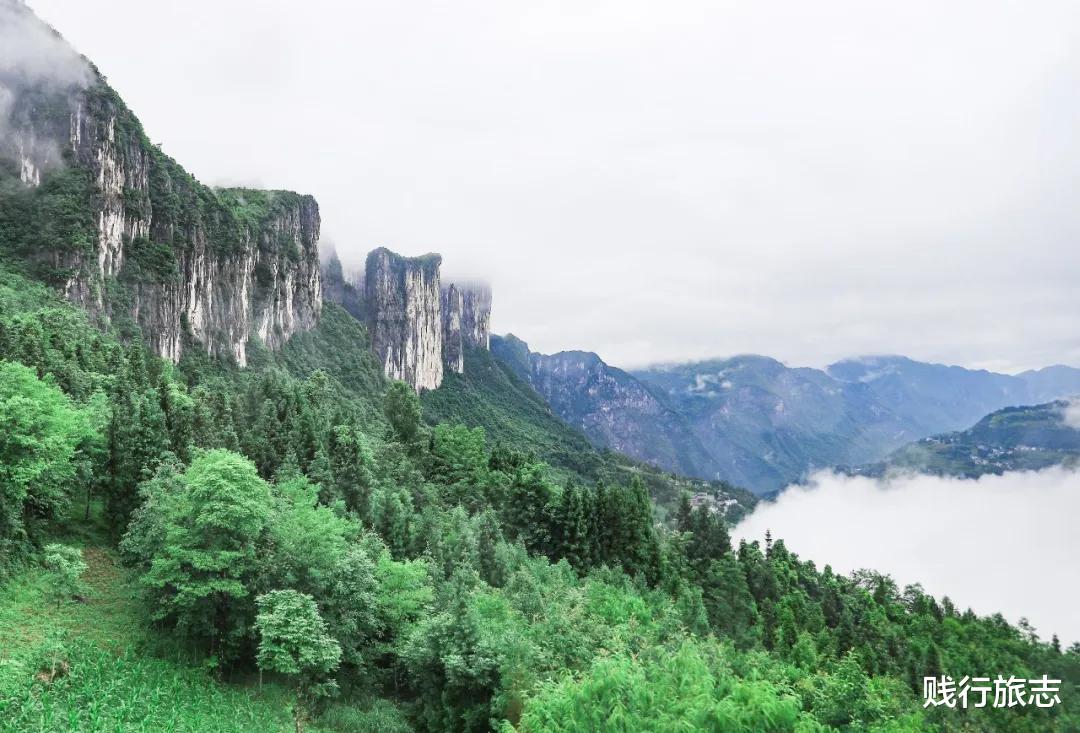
32,57
997,544
1071,414
31,53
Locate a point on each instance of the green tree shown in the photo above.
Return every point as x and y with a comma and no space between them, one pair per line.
350,466
40,435
527,505
571,526
65,567
293,641
402,409
202,574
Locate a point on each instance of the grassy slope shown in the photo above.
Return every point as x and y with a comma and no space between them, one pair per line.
120,678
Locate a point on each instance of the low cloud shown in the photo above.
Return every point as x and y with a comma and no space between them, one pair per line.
32,53
32,57
996,544
1071,415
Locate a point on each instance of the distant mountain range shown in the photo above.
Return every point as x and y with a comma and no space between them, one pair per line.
755,422
1010,439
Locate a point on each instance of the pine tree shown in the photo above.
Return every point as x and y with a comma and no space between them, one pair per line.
402,409
350,465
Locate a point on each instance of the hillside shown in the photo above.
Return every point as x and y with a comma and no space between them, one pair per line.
756,422
934,398
101,669
491,394
611,407
1012,439
766,424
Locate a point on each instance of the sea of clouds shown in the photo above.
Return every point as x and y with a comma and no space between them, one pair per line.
1004,543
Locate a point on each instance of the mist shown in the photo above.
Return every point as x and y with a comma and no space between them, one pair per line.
33,57
995,544
1071,415
32,54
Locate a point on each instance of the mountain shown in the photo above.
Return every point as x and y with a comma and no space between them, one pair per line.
765,424
614,409
419,326
127,233
90,206
1011,439
934,398
1050,383
756,422
492,393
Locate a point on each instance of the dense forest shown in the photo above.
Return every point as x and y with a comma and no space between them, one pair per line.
201,547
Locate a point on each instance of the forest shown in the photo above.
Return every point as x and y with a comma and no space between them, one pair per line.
303,545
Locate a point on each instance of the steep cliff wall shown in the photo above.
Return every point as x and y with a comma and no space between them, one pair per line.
131,236
476,315
403,301
419,328
453,306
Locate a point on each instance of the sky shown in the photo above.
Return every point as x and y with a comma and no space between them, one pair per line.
1003,544
656,181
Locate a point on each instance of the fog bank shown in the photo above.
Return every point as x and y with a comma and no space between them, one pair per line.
999,543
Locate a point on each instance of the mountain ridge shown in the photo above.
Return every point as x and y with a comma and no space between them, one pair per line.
754,421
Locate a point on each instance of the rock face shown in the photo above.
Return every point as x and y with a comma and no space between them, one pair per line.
476,316
453,306
466,314
182,260
403,300
420,328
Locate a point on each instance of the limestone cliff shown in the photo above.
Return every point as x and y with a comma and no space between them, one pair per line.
476,315
403,302
419,327
130,235
453,307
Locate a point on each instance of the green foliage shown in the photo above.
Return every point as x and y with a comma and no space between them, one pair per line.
134,692
55,218
200,575
470,583
293,642
491,395
65,568
687,688
402,410
350,466
150,261
41,432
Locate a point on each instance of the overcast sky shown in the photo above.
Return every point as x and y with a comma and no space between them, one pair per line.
656,181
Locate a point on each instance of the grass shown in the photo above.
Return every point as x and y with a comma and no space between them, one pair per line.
96,666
